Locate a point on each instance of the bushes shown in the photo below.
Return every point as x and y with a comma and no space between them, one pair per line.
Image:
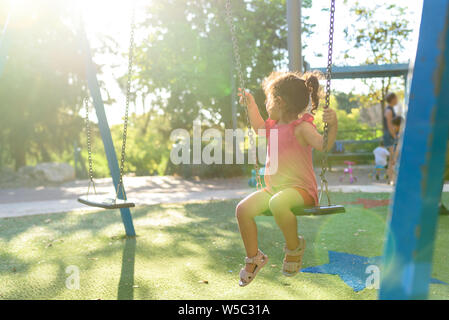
350,127
149,147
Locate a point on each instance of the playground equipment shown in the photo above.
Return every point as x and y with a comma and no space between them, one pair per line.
348,172
411,230
318,210
407,259
98,200
119,201
101,201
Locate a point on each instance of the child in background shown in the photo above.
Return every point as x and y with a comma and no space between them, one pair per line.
381,155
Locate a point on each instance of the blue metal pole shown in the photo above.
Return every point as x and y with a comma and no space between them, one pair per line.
4,42
294,35
412,223
105,132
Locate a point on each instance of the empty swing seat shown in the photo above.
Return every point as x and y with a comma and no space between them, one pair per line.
314,211
105,202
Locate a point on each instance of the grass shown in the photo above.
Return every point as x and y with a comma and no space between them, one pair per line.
180,247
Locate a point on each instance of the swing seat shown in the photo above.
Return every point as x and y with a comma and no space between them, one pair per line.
314,211
105,202
319,211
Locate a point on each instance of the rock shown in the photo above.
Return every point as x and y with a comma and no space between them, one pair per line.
7,175
51,172
54,172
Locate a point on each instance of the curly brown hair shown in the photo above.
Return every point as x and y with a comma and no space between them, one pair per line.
295,89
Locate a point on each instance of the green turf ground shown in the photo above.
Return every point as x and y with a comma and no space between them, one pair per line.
181,247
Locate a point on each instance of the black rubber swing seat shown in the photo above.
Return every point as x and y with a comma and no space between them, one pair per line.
105,202
314,211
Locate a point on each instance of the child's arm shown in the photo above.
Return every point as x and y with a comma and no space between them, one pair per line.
255,118
310,135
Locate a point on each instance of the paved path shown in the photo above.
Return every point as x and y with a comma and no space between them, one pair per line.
142,190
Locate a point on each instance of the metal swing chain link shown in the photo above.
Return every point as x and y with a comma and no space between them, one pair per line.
128,94
242,83
324,162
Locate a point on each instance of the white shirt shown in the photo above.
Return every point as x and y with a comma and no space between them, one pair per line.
380,156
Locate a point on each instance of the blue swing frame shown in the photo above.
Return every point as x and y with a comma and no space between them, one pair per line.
412,222
105,132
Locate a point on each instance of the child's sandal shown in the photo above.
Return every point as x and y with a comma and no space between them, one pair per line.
290,269
260,260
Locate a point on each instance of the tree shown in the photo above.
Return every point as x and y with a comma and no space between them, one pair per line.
347,101
41,87
185,64
383,39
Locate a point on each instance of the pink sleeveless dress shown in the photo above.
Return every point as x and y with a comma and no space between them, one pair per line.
294,163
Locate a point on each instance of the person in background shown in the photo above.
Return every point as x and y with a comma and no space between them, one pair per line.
397,125
381,155
389,134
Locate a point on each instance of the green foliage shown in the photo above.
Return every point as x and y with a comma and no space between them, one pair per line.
184,70
347,101
186,63
349,125
382,39
40,87
147,151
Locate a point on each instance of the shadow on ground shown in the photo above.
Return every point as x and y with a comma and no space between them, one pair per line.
186,251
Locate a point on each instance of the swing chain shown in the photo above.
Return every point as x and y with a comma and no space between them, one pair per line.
89,148
120,186
324,162
242,84
89,141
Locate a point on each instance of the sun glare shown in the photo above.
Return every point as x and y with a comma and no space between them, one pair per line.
105,16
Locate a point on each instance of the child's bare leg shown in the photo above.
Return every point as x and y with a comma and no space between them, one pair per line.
280,205
250,207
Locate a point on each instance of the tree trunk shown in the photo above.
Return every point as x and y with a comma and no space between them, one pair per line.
44,154
385,90
17,145
382,103
18,154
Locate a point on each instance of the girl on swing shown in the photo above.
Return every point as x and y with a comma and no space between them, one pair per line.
288,96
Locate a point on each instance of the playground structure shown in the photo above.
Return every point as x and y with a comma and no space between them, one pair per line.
348,172
295,65
407,259
116,172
